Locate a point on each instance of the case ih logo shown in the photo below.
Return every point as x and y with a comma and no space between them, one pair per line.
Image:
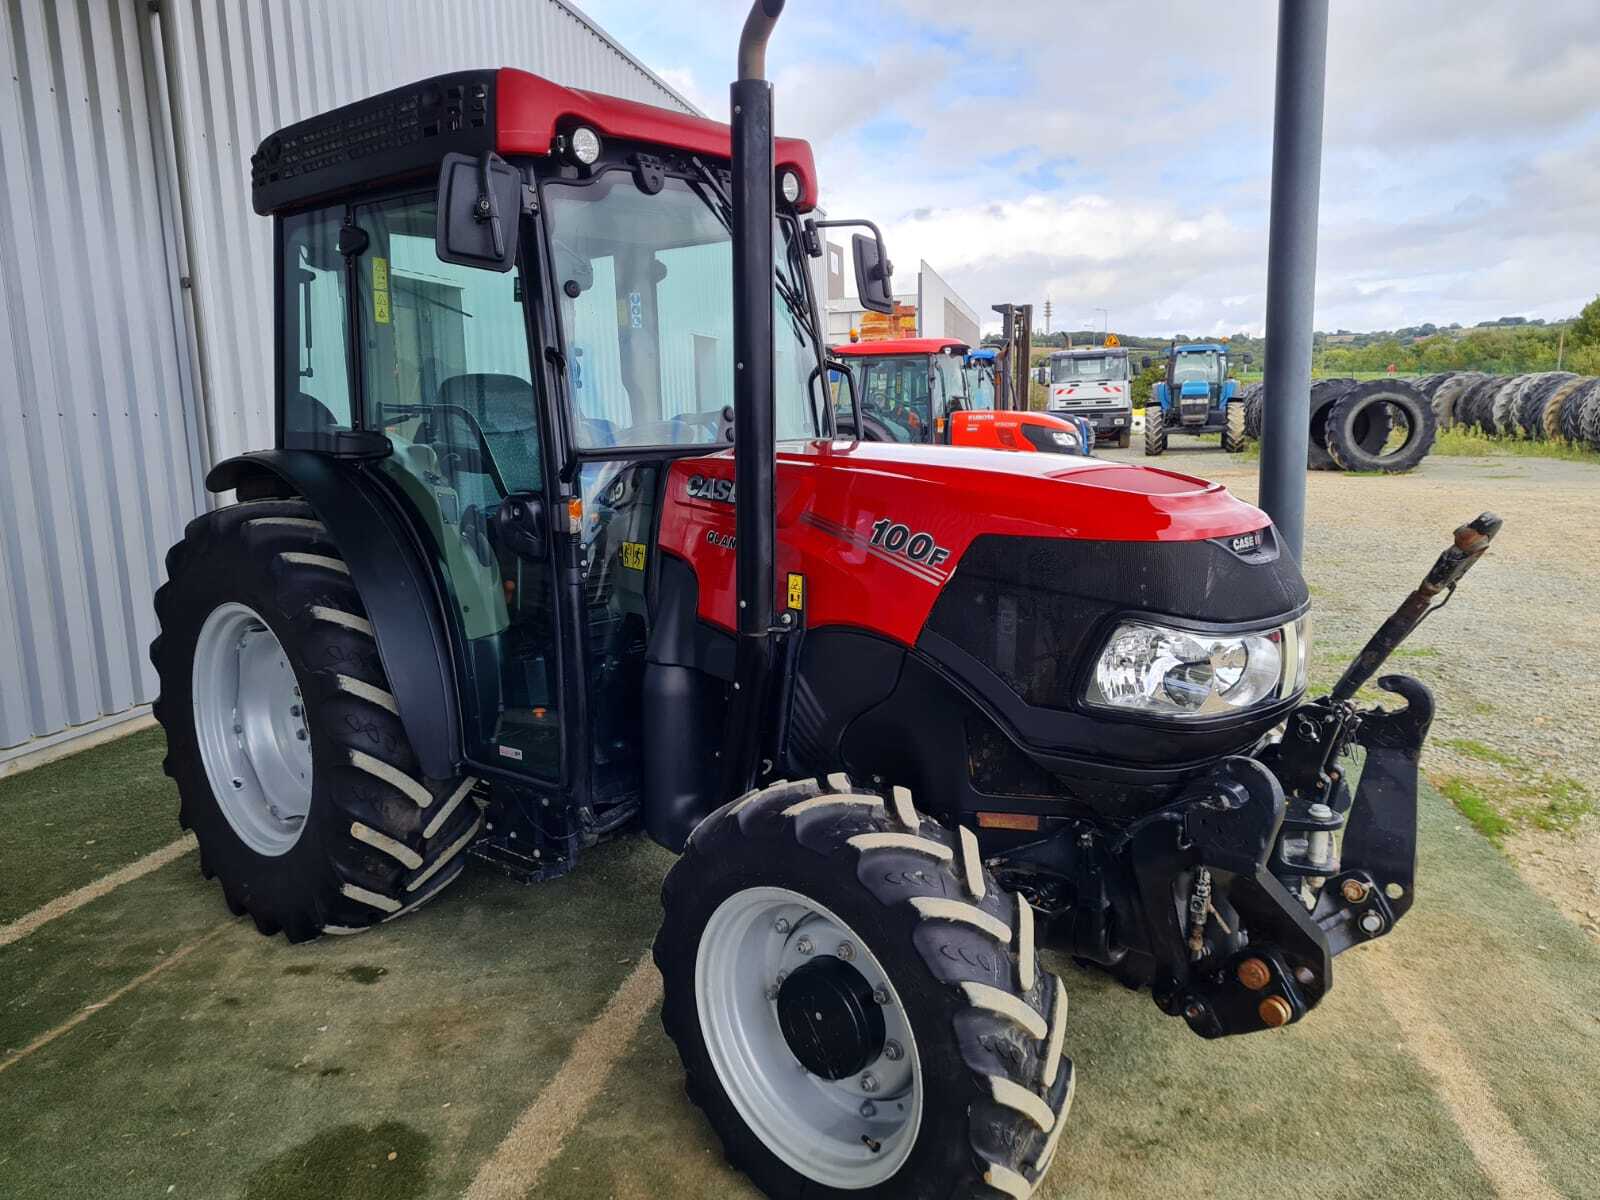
1244,543
711,487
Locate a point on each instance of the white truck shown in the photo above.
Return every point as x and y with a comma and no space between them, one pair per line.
1094,383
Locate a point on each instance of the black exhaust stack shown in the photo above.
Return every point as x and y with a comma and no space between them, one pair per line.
755,494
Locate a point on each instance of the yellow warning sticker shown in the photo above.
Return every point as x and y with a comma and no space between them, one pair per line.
797,591
380,290
633,555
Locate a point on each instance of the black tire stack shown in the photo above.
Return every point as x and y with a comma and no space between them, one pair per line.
1538,406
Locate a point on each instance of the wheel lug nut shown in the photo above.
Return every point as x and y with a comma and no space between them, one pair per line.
301,734
781,925
772,991
869,1082
294,710
238,783
880,995
846,951
1371,923
803,946
238,728
869,1109
893,1051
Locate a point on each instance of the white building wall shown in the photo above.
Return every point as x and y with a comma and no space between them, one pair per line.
136,284
940,312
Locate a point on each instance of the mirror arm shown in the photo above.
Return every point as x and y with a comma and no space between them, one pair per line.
877,236
486,209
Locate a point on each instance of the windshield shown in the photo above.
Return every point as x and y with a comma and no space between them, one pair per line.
1088,368
645,286
1200,366
898,392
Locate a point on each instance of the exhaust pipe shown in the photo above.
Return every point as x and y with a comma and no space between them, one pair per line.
755,489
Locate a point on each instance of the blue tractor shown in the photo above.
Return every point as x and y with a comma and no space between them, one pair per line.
1196,397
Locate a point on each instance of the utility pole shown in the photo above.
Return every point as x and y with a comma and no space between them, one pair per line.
1047,316
1292,264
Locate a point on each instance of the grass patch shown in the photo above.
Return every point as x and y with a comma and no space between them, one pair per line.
1477,808
1458,441
1498,807
1481,751
79,818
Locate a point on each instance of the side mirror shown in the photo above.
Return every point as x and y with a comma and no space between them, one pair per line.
1248,359
873,271
837,372
1144,363
520,526
480,211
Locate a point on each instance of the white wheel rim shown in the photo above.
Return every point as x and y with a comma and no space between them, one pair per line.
249,721
822,1129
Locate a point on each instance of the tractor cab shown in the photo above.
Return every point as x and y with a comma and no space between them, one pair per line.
906,388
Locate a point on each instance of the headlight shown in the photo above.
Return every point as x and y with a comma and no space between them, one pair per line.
1064,439
1187,673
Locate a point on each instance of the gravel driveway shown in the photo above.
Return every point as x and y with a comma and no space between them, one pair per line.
1514,660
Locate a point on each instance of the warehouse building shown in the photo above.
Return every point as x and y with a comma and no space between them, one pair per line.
136,287
929,308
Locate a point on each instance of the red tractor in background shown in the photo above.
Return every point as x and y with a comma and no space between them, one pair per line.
922,391
558,539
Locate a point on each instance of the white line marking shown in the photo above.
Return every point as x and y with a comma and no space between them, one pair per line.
513,1170
1503,1155
62,905
88,1010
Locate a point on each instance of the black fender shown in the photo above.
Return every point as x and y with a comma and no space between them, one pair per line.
394,579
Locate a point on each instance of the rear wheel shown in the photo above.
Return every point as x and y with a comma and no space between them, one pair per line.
1233,427
1124,439
858,1006
1155,431
292,766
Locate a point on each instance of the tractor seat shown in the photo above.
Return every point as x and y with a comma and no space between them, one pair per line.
503,406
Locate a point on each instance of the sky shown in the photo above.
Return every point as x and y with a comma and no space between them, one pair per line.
1117,156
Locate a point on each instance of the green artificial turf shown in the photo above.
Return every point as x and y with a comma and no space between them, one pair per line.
69,822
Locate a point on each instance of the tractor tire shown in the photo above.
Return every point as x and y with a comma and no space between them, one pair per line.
1447,396
1254,405
1481,403
1155,431
1502,414
936,1067
1530,414
1550,419
1589,430
1360,423
1572,410
1233,428
1323,395
292,766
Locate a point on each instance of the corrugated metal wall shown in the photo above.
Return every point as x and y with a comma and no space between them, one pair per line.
125,144
96,463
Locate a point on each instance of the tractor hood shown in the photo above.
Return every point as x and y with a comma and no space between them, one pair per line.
874,531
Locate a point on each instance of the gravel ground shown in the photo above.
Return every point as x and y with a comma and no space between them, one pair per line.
1514,661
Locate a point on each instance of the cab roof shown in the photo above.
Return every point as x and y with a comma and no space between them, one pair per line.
900,346
408,131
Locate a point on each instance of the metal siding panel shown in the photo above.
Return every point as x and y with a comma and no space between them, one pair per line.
94,445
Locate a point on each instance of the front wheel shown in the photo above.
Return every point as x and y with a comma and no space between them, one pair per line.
1233,427
1155,430
857,1004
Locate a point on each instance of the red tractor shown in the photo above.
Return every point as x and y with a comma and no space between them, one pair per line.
557,540
922,390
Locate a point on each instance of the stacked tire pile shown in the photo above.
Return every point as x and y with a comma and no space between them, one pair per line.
1545,406
1383,425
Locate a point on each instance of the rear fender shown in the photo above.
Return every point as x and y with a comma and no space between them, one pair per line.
389,571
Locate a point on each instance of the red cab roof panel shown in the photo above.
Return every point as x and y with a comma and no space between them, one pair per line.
530,110
900,346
